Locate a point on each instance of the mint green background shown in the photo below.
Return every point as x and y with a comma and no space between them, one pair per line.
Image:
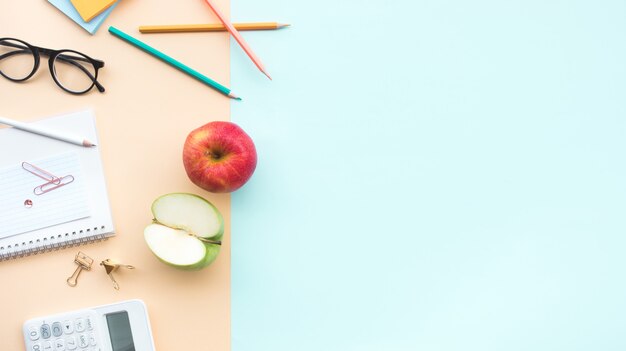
433,175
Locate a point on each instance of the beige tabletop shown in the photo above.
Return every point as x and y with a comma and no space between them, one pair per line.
143,118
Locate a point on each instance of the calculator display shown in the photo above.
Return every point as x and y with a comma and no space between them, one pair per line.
119,329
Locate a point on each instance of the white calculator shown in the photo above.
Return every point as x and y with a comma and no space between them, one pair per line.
121,326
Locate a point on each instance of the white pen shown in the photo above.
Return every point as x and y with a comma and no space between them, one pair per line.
48,132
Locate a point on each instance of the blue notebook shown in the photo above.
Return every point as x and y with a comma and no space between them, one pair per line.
92,26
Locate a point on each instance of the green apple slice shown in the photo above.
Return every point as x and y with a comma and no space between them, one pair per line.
174,245
186,231
189,212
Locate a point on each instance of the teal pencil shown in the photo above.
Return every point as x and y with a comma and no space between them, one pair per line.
173,62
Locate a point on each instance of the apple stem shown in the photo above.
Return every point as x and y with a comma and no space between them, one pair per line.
214,155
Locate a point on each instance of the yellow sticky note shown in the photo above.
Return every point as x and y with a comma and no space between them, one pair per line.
88,9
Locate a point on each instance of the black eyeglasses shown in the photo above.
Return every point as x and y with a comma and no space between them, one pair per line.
71,70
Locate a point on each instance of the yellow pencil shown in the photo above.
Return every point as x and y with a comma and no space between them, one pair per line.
213,27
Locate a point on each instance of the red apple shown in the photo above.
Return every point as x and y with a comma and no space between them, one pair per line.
219,157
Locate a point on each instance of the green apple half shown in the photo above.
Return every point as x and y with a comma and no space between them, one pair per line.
186,231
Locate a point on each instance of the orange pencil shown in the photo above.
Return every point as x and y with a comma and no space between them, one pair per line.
238,38
209,27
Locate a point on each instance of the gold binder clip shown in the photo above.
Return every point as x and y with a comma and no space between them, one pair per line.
110,267
84,262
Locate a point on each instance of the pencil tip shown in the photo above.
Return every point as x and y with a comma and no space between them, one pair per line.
283,25
267,74
233,96
88,143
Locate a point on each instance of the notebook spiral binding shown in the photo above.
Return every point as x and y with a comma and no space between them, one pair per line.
52,243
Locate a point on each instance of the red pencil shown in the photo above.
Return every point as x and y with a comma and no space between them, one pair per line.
233,31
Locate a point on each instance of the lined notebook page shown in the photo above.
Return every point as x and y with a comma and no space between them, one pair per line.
61,205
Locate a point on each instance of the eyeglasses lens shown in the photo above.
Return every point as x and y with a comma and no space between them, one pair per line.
16,59
74,71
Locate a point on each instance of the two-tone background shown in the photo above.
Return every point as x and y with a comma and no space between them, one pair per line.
433,175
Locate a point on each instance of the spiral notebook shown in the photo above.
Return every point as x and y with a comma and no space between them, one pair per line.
76,213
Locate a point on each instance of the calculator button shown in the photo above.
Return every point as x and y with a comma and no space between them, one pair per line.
59,345
92,340
33,333
57,329
88,323
68,327
70,342
47,346
79,325
35,347
45,331
83,341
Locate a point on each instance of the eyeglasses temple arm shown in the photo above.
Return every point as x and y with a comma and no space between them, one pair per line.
48,52
6,43
3,56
